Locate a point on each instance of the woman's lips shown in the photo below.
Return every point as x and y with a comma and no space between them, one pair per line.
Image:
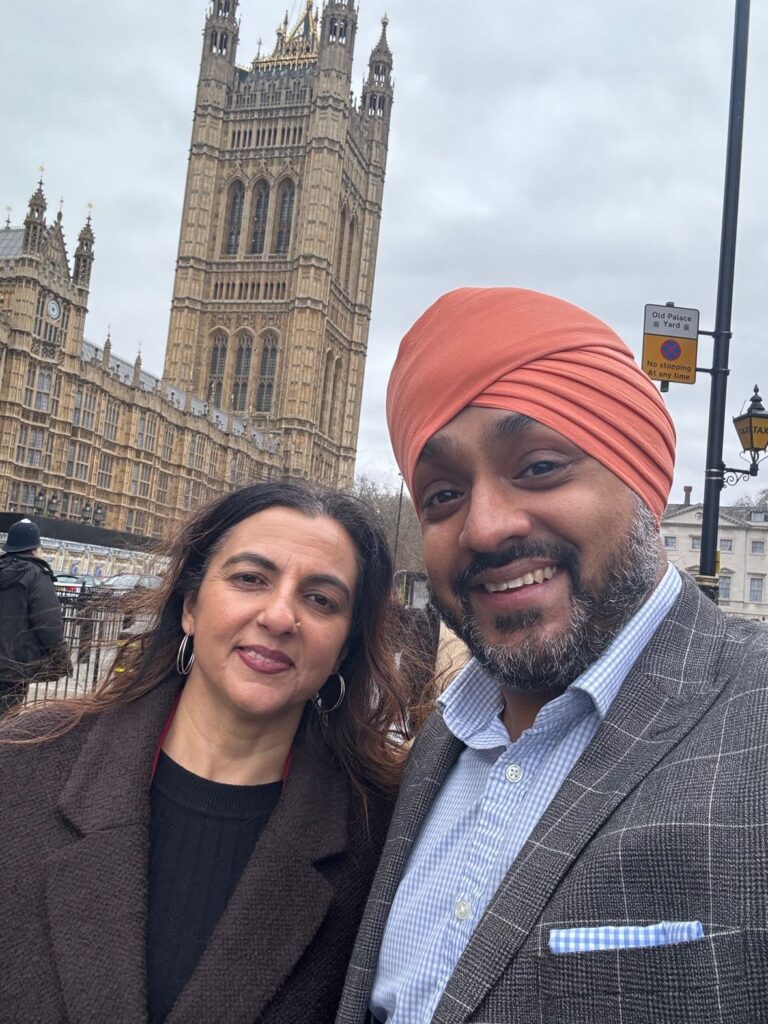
264,659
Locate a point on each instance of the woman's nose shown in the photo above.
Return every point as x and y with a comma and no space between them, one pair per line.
278,614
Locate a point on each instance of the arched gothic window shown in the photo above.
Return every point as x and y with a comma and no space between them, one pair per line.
260,207
242,373
235,204
218,364
350,247
333,30
267,373
78,408
326,410
285,198
340,244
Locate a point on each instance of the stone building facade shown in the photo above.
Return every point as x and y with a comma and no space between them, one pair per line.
743,545
271,307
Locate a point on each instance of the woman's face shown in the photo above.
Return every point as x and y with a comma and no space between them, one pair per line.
272,616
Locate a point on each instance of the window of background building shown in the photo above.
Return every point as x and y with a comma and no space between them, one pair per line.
167,452
670,542
111,418
758,547
726,544
756,589
82,461
695,543
725,588
106,467
89,409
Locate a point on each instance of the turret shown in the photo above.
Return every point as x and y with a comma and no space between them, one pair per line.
378,89
84,257
34,222
337,47
137,371
220,39
107,355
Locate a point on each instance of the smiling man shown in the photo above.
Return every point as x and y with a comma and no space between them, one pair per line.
582,831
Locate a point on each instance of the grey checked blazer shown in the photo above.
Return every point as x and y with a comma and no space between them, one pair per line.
664,817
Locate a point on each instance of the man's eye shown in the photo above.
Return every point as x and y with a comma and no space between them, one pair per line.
541,468
441,497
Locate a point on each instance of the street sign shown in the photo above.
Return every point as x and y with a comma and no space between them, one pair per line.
670,343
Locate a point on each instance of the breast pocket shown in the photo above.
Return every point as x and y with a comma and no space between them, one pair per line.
689,982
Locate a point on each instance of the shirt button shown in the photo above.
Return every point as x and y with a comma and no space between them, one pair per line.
462,910
514,773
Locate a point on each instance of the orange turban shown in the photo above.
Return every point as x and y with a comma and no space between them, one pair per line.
509,348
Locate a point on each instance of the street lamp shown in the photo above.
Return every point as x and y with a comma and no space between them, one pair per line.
40,502
98,515
87,512
752,428
53,504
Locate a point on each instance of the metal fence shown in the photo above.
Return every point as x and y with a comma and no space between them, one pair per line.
96,623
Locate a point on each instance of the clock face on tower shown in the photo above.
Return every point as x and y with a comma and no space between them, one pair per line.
54,309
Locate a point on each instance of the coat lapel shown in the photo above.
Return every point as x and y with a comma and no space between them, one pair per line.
279,903
667,692
96,887
433,756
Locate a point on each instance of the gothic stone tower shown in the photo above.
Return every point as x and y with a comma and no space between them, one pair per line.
272,297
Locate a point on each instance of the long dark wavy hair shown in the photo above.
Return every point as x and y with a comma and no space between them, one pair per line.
366,734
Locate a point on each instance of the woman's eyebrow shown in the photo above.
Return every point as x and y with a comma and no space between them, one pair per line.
252,558
318,579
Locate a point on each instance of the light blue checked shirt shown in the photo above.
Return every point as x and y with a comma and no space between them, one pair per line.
485,811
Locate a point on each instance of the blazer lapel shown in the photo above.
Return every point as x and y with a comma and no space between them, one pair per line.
666,693
96,887
433,756
279,903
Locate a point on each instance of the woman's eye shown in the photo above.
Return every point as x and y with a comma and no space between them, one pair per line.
322,601
248,578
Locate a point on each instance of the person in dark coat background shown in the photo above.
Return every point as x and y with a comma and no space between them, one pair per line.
31,624
194,842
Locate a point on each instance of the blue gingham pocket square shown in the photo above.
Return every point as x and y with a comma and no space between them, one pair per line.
625,936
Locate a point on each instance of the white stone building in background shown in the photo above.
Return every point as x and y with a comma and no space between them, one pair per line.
743,546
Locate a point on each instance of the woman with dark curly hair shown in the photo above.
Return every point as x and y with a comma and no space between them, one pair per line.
194,841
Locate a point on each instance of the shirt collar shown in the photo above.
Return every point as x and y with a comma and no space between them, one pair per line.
472,703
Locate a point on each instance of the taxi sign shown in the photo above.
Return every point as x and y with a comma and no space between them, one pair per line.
670,343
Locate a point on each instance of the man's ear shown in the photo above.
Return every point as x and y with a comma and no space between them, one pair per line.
188,614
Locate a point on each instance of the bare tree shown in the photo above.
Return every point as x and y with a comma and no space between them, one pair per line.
400,521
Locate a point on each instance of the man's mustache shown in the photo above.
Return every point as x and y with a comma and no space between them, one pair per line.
564,555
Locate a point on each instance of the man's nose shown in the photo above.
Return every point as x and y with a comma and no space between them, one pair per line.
496,514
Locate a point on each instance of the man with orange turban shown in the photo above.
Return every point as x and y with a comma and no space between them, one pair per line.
582,830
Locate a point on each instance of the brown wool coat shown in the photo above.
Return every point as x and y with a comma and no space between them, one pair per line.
74,839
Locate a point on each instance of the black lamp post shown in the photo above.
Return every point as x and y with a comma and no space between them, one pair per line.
98,515
53,504
87,514
714,476
40,502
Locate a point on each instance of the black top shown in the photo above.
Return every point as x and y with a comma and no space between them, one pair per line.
202,834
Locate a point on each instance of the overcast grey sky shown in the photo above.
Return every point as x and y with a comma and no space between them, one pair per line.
572,146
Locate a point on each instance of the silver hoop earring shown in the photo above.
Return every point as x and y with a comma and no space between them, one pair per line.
185,659
317,700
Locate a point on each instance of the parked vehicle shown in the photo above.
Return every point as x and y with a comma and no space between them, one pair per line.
132,581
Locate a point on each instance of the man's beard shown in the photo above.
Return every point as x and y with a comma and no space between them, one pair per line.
549,665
